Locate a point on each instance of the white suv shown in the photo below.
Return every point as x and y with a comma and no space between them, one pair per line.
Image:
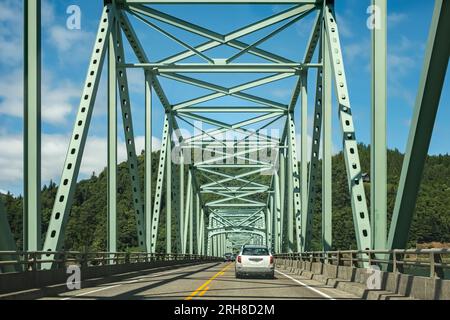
254,260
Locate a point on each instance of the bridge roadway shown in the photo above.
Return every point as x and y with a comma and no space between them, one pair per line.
206,281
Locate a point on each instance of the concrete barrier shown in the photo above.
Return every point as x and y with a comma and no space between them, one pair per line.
355,281
17,282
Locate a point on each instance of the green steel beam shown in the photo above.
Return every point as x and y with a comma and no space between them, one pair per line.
112,141
425,110
378,148
231,38
277,208
351,156
187,221
159,183
148,161
314,39
180,213
314,168
221,1
64,196
202,232
172,37
289,216
32,127
288,69
282,176
327,146
217,109
234,91
139,51
268,36
169,192
197,223
306,215
132,161
191,218
295,176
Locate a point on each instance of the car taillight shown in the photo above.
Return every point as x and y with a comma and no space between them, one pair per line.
239,259
271,259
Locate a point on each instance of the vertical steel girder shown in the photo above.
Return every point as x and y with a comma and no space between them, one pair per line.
181,210
197,222
314,162
191,218
148,161
64,196
277,209
169,192
186,212
327,144
282,176
306,216
378,147
132,162
352,163
425,110
32,126
159,183
175,198
294,178
289,215
112,141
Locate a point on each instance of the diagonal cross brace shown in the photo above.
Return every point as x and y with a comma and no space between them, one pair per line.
66,190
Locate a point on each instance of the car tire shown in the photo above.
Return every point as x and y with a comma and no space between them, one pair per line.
272,275
238,275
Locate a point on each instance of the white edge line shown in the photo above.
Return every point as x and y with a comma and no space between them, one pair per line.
305,285
85,293
117,285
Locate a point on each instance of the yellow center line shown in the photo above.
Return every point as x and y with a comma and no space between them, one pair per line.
203,292
221,272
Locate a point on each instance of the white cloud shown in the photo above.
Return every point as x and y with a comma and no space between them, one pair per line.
56,97
54,149
11,32
357,51
345,30
395,18
71,45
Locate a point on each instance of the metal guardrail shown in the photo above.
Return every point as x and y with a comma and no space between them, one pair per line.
30,261
398,261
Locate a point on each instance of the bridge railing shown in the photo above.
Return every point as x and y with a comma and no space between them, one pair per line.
31,260
427,262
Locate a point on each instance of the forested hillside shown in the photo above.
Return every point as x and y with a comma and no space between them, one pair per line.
86,228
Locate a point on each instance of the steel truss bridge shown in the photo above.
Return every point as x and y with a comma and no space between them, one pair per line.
233,197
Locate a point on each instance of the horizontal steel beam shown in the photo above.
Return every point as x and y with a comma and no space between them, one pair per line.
293,68
233,109
222,1
217,68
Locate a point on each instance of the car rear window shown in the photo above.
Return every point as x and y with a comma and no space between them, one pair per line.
255,252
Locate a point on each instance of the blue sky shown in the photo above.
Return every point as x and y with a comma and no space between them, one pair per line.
66,56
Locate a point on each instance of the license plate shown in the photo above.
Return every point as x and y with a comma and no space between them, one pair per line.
255,259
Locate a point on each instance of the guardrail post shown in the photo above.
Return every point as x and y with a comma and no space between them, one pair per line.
432,266
338,258
62,258
84,259
127,257
34,261
394,262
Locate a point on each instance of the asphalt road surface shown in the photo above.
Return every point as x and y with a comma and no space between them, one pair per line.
207,281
